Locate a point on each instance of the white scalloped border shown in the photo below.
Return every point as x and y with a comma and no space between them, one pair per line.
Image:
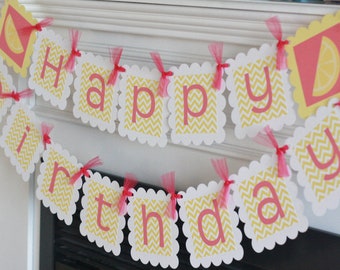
6,129
280,238
40,91
67,217
133,135
332,201
86,118
109,247
7,103
154,259
197,139
277,123
227,257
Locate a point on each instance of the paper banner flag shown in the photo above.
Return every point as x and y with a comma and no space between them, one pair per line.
314,61
259,93
16,47
196,108
6,86
152,233
315,155
100,221
268,205
143,113
213,236
48,77
94,100
54,188
21,140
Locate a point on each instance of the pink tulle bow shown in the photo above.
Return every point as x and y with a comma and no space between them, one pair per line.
164,81
46,130
216,50
71,61
37,27
84,170
221,169
115,54
169,185
268,139
17,95
274,26
130,182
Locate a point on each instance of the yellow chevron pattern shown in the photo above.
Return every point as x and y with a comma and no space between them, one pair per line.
153,235
47,83
193,208
63,192
323,150
258,85
205,124
251,203
153,125
4,88
87,70
109,216
15,135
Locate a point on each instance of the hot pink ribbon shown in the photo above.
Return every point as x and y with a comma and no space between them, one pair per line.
169,185
221,169
115,54
164,81
84,170
216,50
17,95
71,61
130,182
37,27
268,139
337,104
274,26
46,130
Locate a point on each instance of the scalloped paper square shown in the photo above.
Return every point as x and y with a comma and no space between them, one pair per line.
152,233
315,155
314,61
54,188
196,108
6,86
21,140
143,113
100,221
259,93
16,46
268,204
213,236
95,101
48,77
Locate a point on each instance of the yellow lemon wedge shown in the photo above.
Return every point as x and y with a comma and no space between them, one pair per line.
12,37
328,68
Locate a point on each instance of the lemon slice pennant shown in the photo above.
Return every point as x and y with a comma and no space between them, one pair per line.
12,37
328,68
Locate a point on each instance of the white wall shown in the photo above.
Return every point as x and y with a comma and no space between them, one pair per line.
14,198
181,33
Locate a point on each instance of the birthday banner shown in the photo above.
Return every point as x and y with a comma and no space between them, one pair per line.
188,102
